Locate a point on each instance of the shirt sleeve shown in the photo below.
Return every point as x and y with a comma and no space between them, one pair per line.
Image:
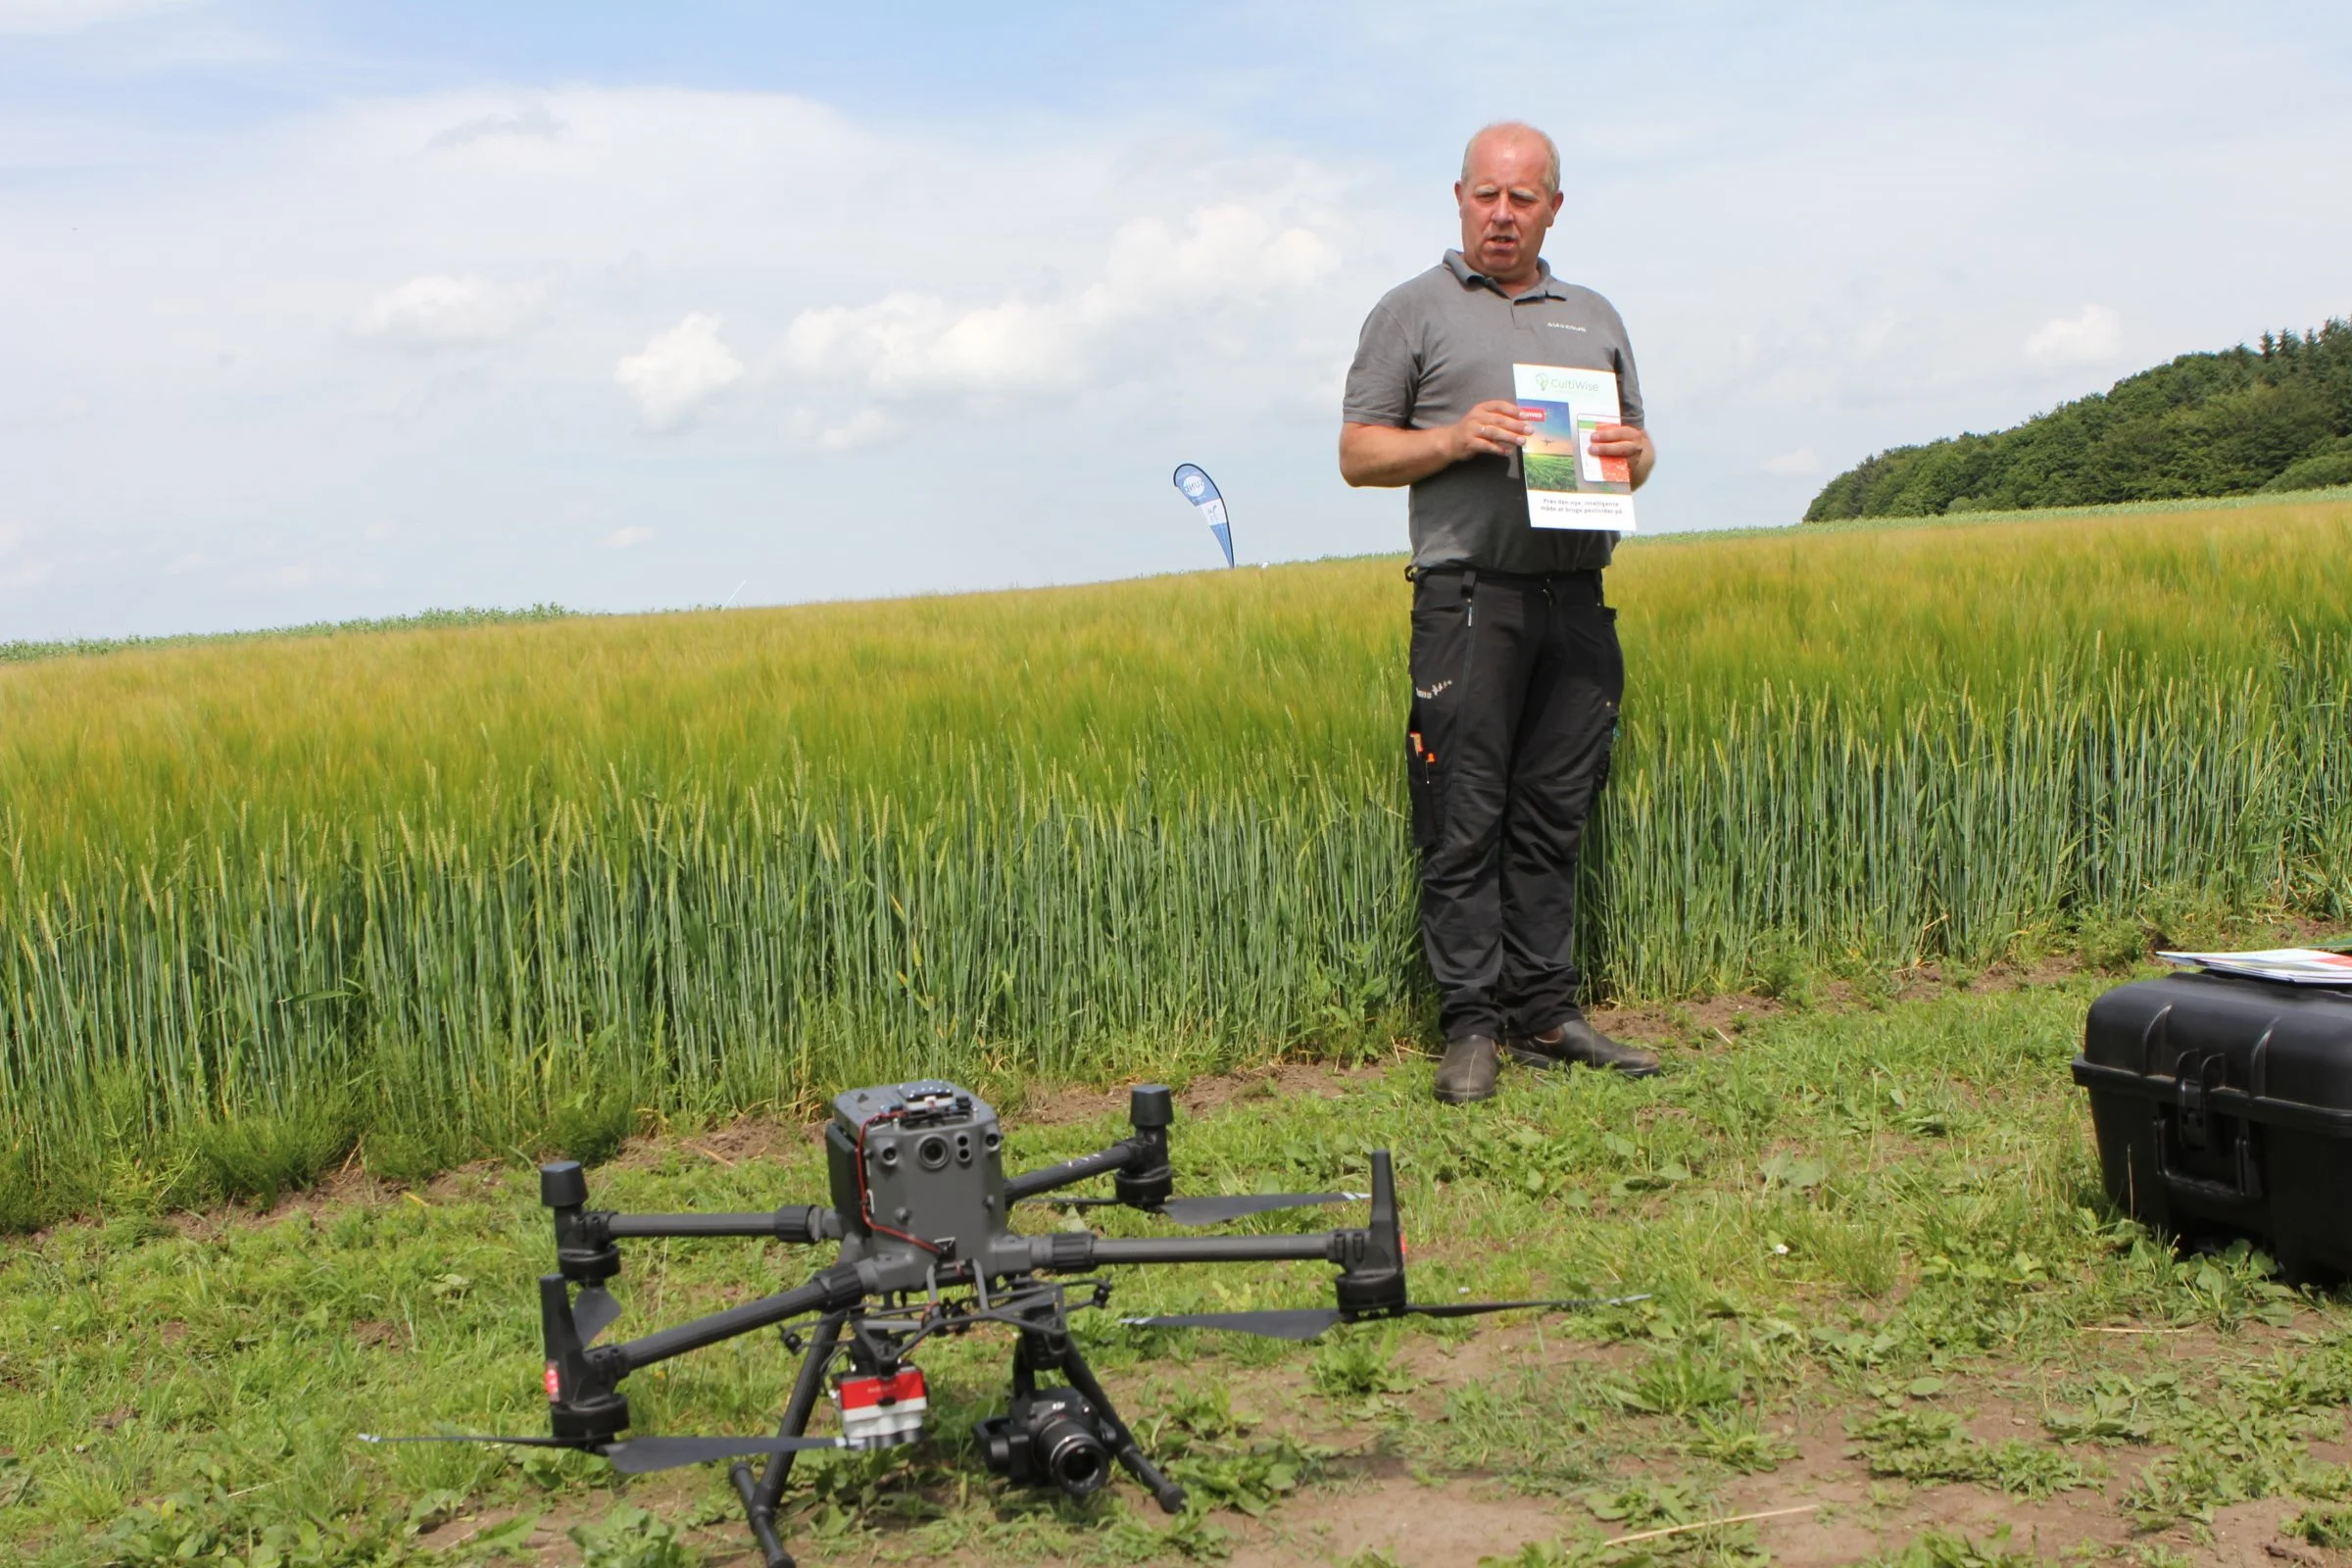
1385,374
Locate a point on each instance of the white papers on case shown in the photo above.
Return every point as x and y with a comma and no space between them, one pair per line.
2302,966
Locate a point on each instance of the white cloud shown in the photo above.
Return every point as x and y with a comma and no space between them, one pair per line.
917,343
626,538
439,312
72,15
1232,260
2091,336
680,371
535,121
1804,460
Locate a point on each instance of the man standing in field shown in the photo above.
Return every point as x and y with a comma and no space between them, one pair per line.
1515,665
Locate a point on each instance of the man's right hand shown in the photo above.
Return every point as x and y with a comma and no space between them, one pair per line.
1382,455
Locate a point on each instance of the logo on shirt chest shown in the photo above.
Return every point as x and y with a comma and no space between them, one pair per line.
1564,327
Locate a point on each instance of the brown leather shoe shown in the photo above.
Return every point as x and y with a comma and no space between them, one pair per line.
1574,1040
1467,1072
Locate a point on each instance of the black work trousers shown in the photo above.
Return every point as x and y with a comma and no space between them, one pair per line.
1516,683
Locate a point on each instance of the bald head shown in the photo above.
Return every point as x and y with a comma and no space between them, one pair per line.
1509,194
1525,138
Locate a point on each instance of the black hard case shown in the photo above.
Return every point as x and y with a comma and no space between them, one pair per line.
2224,1108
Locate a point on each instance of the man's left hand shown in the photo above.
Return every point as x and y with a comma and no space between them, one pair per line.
1630,442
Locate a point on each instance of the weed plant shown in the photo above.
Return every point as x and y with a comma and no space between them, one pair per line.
423,895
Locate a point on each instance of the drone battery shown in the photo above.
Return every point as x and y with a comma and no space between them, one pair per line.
2224,1109
878,1413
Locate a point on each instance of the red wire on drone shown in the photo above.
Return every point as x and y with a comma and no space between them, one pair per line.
865,1196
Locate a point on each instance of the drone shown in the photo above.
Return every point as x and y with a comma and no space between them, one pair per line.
922,1212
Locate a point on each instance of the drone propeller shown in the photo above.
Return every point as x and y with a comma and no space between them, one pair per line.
1275,1323
1305,1322
635,1456
1215,1210
594,1312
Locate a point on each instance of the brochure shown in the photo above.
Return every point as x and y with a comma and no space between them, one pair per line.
1567,486
2302,966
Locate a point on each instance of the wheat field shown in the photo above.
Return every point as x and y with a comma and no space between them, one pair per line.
425,894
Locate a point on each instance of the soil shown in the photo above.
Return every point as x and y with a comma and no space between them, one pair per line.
1821,1509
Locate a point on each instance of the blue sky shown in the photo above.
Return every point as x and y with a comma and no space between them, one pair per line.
310,311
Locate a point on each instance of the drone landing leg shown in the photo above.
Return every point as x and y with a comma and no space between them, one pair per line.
1123,1447
759,1498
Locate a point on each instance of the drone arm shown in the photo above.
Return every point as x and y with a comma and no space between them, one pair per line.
1326,1246
802,1224
1072,1171
835,1290
1139,1163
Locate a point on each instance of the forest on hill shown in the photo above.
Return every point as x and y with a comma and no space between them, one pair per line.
2273,416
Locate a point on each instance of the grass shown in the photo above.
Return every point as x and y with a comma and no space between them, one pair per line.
1883,1221
431,893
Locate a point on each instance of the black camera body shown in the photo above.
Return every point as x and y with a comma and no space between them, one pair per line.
1052,1438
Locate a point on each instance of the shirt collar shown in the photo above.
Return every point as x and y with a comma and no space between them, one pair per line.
1545,287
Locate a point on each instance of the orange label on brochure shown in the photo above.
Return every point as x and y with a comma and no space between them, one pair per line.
1616,471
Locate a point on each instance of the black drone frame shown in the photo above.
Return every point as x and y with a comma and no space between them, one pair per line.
894,1288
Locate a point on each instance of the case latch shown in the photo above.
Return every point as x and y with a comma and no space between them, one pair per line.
2194,1092
2191,1127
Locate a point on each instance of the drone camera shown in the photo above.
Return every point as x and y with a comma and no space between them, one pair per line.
1050,1437
882,1412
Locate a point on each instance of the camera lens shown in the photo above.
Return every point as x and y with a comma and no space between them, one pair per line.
932,1151
1072,1453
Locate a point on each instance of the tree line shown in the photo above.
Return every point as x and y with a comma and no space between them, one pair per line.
2276,416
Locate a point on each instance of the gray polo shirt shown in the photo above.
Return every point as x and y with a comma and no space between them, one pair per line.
1437,346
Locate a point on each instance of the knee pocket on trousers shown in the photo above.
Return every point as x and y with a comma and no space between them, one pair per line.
1425,785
